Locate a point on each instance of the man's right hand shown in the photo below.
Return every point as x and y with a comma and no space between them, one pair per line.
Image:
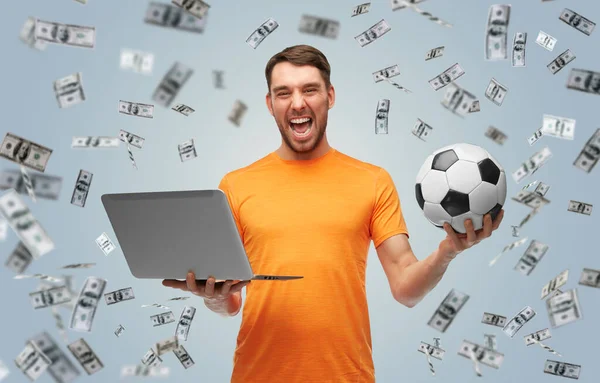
208,289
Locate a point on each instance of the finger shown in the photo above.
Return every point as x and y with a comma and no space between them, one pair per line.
238,286
209,290
458,246
487,226
471,236
498,219
191,283
226,287
174,283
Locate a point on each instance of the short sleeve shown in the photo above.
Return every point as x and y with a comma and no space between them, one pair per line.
387,219
225,186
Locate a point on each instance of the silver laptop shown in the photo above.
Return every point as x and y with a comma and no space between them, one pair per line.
166,234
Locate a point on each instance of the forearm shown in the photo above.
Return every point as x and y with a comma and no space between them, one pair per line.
420,278
225,307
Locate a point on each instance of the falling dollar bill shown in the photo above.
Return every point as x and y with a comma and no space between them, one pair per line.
167,345
120,295
482,354
171,84
69,90
119,331
535,136
507,248
44,186
174,17
580,207
26,227
496,32
489,341
421,129
381,116
458,100
32,361
79,266
65,34
88,301
183,109
432,351
157,305
178,299
27,182
398,86
434,53
532,256
162,319
542,189
86,357
590,277
555,283
447,310
563,308
82,188
400,4
19,259
535,162
25,152
237,112
584,81
588,157
260,33
218,79
373,33
496,92
530,199
518,51
39,276
319,26
475,107
561,61
448,76
537,336
198,8
50,297
577,21
384,73
139,62
515,324
61,368
27,35
184,358
105,244
150,359
185,321
94,142
131,138
136,109
493,319
546,41
141,370
566,370
515,231
361,9
187,150
495,135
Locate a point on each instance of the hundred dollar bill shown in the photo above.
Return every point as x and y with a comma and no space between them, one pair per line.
19,259
162,319
183,109
584,81
482,354
518,51
496,92
69,90
432,351
421,129
373,33
32,361
119,330
136,109
561,61
157,305
27,35
218,79
537,336
150,359
566,370
79,266
185,321
434,53
577,21
411,4
580,207
588,157
131,138
88,301
184,358
530,199
493,319
542,189
262,32
171,84
398,86
139,62
61,368
490,341
187,150
86,357
319,26
167,345
360,9
171,16
507,248
555,283
546,41
381,116
105,244
448,76
141,370
26,227
496,32
25,152
475,107
198,8
120,295
563,308
27,182
532,165
515,231
44,186
178,299
65,34
50,297
447,310
532,213
590,277
237,112
535,136
532,256
388,72
82,188
518,321
94,142
495,135
458,100
43,277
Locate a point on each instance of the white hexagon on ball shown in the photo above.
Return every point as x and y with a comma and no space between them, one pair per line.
436,214
424,169
483,198
458,222
434,186
501,188
463,176
470,152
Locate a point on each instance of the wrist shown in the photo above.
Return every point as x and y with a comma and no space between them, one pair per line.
444,257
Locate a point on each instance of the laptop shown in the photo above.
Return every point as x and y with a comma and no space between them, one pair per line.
165,234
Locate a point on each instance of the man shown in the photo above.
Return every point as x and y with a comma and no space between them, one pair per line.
307,209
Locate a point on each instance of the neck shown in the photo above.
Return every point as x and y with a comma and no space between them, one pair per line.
288,154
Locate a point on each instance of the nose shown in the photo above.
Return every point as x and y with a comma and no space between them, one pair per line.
298,101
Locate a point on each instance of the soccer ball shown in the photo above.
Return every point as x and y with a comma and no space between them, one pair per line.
460,181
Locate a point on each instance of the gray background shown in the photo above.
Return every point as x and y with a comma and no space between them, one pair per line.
30,110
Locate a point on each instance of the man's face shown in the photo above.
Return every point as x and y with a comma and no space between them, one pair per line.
299,92
595,82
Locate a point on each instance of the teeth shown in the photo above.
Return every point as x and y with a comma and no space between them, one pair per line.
300,120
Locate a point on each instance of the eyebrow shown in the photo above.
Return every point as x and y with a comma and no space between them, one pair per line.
282,87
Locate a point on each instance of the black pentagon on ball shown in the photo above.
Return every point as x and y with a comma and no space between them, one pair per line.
443,160
419,195
489,171
455,203
494,211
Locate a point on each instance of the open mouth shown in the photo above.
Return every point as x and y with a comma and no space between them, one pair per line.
301,127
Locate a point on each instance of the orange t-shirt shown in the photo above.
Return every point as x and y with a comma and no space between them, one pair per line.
314,218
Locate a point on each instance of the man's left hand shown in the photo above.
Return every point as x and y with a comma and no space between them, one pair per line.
455,243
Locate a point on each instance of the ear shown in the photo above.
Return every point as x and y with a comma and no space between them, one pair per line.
269,104
331,96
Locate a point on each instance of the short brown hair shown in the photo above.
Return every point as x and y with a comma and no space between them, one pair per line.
300,55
